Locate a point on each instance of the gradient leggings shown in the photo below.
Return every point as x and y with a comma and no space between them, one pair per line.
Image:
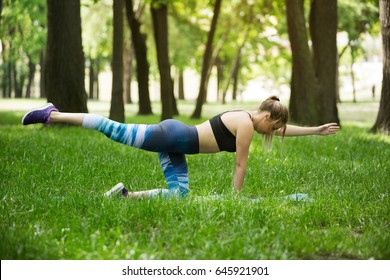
171,139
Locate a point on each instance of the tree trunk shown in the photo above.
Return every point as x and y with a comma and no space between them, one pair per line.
42,63
31,75
234,70
323,30
3,80
313,81
303,84
94,70
96,87
117,110
3,71
6,78
353,74
220,77
64,79
91,78
18,82
139,43
382,123
181,84
175,110
206,62
10,80
1,8
235,78
213,62
127,70
160,27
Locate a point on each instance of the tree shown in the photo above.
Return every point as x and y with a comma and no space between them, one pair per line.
139,44
186,35
160,27
128,56
313,81
356,18
234,70
97,40
206,60
382,123
23,35
64,77
117,109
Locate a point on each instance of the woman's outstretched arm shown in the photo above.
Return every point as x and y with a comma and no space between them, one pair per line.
325,129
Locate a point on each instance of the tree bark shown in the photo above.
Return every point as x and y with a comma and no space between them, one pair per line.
235,78
1,8
139,43
313,81
382,123
91,79
160,27
323,30
127,70
64,79
220,76
181,84
117,109
303,80
94,70
206,62
8,93
31,75
18,84
42,63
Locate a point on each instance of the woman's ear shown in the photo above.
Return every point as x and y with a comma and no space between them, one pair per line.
267,115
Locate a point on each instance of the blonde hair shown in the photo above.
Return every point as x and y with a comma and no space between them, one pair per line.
278,112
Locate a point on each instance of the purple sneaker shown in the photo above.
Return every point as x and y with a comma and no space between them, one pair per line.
40,115
118,190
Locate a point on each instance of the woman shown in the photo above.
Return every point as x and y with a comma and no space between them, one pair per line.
230,131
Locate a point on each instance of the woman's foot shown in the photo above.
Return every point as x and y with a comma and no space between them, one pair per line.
40,115
118,190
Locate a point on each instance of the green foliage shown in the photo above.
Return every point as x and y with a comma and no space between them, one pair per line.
22,35
185,35
357,17
265,52
97,28
52,181
23,29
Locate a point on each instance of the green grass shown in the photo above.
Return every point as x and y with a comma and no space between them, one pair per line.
52,181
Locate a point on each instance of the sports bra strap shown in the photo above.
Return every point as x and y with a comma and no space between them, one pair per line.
250,116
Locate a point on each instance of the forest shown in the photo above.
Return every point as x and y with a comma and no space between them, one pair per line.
141,61
295,48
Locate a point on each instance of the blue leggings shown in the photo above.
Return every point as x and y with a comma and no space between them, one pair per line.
171,139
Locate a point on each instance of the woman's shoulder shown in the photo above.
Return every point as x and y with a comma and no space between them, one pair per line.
237,119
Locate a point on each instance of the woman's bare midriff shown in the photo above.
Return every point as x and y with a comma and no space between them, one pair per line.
207,142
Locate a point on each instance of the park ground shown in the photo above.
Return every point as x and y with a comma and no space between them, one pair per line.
52,182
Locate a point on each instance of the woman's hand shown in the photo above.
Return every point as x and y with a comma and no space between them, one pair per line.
328,129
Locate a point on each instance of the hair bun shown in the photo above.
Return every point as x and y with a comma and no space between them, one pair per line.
274,97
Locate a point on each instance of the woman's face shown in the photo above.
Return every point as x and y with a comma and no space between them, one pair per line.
266,126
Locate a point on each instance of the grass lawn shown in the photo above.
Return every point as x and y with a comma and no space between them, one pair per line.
52,181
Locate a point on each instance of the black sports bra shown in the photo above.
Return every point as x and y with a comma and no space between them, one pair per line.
225,139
